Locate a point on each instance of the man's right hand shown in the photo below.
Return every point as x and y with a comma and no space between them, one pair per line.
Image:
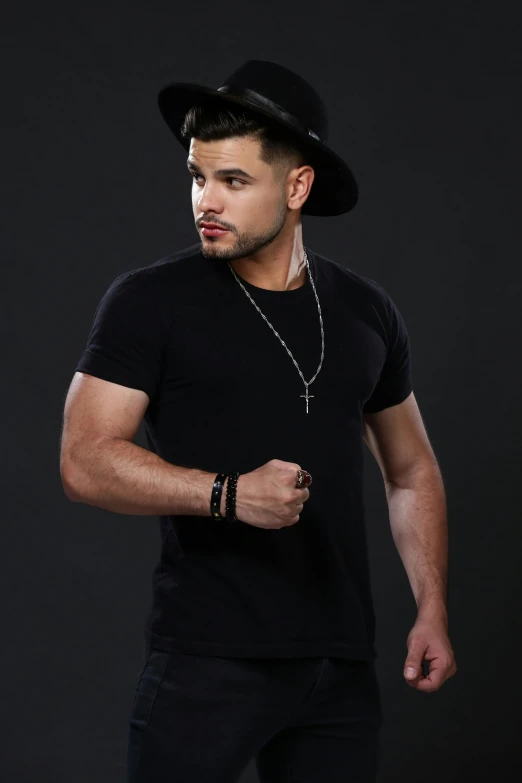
267,496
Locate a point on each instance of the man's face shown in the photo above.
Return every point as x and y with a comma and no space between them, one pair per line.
250,203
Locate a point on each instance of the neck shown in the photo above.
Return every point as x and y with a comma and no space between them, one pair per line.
280,266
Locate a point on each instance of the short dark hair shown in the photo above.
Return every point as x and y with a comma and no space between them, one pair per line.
212,122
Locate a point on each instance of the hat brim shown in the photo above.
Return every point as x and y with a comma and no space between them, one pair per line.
334,190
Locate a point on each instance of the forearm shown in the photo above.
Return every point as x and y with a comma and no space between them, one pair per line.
120,476
418,519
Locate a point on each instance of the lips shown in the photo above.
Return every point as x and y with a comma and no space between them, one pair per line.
211,231
212,225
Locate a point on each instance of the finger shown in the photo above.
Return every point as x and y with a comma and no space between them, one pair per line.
428,684
432,681
413,683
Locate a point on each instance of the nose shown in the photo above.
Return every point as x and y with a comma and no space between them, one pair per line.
208,200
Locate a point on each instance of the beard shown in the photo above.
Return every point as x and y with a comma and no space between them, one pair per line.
245,244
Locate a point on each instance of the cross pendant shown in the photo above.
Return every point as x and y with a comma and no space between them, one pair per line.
307,397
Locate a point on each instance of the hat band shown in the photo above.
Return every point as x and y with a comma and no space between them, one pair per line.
265,103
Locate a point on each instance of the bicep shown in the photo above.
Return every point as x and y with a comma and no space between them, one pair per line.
94,409
398,440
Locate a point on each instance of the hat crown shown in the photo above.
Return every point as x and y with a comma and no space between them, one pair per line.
285,88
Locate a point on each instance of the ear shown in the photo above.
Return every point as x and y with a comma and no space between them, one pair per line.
300,181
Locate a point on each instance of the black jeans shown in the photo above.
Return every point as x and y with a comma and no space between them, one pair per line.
201,719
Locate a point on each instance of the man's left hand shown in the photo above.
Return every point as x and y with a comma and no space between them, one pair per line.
428,640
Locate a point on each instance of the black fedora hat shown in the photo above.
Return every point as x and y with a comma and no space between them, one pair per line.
287,101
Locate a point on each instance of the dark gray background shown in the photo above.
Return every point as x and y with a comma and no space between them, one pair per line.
424,104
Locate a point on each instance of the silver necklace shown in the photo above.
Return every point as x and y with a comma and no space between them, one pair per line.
306,396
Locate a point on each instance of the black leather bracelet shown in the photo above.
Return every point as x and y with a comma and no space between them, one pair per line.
215,498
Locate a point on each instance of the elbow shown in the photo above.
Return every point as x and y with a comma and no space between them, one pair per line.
421,471
70,483
70,494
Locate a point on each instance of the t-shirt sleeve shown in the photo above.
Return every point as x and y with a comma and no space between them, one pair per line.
125,344
395,383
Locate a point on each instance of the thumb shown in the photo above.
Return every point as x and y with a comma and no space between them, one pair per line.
413,664
412,667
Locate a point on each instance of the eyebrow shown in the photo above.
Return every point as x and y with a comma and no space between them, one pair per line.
224,172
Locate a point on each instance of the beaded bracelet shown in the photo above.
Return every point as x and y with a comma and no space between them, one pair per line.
231,496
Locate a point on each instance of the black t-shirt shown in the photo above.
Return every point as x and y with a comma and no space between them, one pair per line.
225,395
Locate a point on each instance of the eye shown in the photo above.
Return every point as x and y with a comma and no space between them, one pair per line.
194,175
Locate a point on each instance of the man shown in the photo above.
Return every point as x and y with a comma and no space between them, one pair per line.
260,367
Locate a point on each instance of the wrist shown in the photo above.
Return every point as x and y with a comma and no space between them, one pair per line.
223,506
432,610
